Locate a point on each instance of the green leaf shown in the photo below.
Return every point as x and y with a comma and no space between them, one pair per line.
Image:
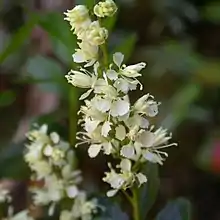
211,12
148,192
19,38
185,208
12,163
90,3
180,104
56,27
47,71
127,46
7,98
209,73
179,209
111,211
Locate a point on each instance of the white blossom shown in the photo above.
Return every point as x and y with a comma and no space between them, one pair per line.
95,34
87,53
78,18
105,8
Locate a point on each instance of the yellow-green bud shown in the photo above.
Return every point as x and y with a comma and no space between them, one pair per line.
105,9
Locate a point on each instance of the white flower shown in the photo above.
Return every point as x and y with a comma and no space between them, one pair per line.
4,194
82,208
66,215
125,165
72,191
131,71
87,53
94,150
42,169
125,85
145,106
34,153
128,151
55,137
137,121
91,125
141,178
118,58
119,108
105,9
80,79
95,34
106,128
78,18
101,104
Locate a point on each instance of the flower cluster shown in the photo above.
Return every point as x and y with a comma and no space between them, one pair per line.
51,161
6,198
115,126
110,122
90,33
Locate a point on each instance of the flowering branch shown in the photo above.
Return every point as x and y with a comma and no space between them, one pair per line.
110,122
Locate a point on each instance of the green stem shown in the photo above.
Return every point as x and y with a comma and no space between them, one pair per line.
105,55
72,115
135,205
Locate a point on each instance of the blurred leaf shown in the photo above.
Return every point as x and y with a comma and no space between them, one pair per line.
111,211
127,46
61,51
209,73
90,3
7,98
42,68
56,27
148,192
211,12
178,209
185,208
176,57
180,104
12,163
19,38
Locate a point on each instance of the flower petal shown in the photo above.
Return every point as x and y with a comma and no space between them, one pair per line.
91,125
125,165
72,191
141,178
128,151
85,95
107,148
119,108
112,74
106,128
118,58
153,158
146,138
112,192
94,150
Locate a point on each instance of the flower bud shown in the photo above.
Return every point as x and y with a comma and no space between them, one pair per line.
105,9
78,17
95,34
79,79
86,53
133,70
